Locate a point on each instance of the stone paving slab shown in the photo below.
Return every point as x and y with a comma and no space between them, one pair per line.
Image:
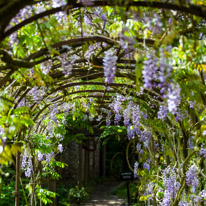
102,196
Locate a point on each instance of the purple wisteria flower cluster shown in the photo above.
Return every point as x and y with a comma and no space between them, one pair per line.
46,66
109,64
117,108
173,98
108,118
192,177
66,63
157,73
131,118
48,156
136,166
37,94
203,151
171,185
150,71
57,3
26,163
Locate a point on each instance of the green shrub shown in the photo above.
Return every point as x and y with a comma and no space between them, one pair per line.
77,195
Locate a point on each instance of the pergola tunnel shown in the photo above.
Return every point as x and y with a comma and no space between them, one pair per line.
93,88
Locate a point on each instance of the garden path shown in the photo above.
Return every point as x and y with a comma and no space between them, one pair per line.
102,196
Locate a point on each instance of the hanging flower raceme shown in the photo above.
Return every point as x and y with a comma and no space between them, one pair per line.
174,98
109,63
46,66
150,71
37,94
26,163
171,185
108,118
192,177
162,113
136,165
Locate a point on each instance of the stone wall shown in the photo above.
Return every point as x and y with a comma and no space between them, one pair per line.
70,156
84,164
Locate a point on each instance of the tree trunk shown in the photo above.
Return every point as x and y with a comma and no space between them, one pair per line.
16,193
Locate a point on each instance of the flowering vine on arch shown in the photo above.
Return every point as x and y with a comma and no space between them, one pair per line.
140,63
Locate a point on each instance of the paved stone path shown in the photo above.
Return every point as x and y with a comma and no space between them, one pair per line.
102,196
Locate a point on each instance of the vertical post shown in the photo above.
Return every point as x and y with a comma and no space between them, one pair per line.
17,178
128,196
55,190
104,160
40,183
93,161
86,167
80,166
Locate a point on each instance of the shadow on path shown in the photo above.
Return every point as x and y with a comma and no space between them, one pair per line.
102,196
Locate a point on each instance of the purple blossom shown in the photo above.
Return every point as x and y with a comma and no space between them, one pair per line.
179,116
2,131
203,194
154,23
126,115
165,69
135,115
203,152
46,66
127,43
117,107
150,190
145,138
26,163
13,39
103,17
171,185
138,147
21,103
55,120
59,137
174,98
21,16
146,166
157,24
37,94
108,120
109,64
87,20
24,159
117,118
149,72
60,148
191,144
29,168
49,156
40,7
136,165
192,177
58,3
130,132
40,156
99,118
162,113
66,64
